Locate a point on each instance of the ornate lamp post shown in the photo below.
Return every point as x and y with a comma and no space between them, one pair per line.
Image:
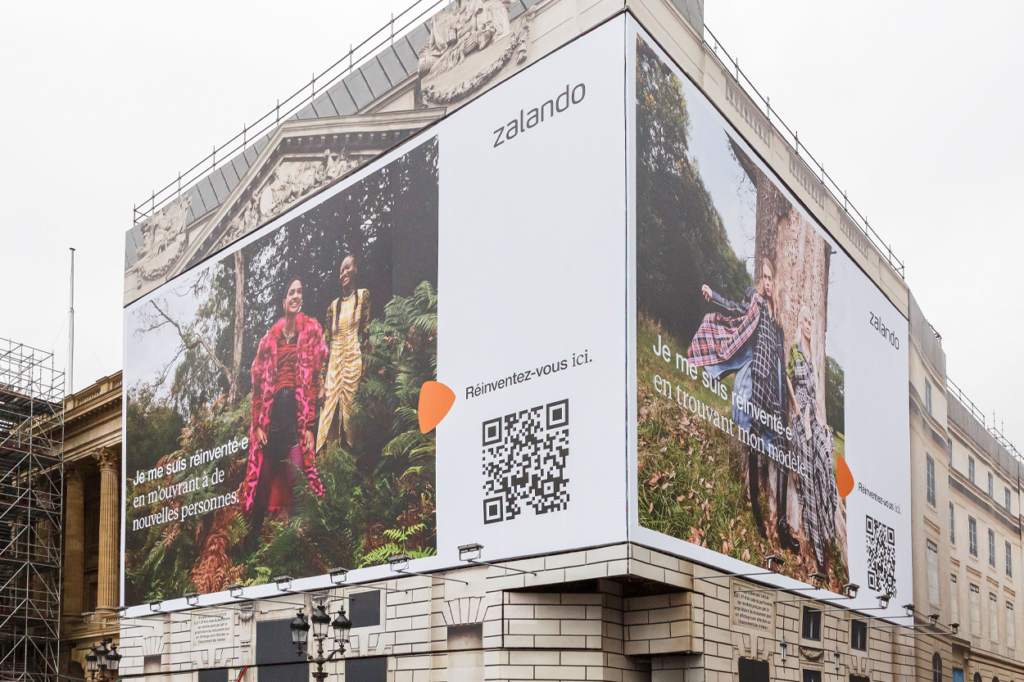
101,663
322,622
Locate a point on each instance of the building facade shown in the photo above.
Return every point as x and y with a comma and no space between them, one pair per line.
624,612
92,520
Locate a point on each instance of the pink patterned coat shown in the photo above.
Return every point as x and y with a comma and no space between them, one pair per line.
311,351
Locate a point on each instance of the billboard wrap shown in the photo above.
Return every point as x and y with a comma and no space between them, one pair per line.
770,410
547,322
277,394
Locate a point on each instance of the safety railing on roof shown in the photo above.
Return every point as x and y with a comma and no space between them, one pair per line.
732,66
976,412
408,19
957,393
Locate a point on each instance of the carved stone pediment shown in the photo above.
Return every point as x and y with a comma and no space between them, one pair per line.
301,158
292,178
468,46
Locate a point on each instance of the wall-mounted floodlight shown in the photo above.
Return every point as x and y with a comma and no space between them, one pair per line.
399,562
155,605
850,590
954,627
192,598
284,582
338,575
909,608
818,577
470,552
774,563
235,590
883,600
934,618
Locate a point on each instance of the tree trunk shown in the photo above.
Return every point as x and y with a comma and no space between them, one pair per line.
236,354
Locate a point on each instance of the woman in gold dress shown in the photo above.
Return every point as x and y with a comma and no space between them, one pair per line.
347,320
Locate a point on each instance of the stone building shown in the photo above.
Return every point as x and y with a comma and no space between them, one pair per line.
620,613
967,546
92,520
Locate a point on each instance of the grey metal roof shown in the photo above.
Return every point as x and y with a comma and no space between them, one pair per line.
369,82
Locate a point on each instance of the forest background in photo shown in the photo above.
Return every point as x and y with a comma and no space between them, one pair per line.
189,355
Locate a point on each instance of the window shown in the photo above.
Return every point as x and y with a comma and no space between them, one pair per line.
858,635
977,677
933,573
952,525
1010,635
993,618
970,468
930,479
752,670
991,547
936,667
1009,560
928,396
365,669
1006,499
991,486
975,610
812,676
954,599
364,609
812,624
949,452
972,536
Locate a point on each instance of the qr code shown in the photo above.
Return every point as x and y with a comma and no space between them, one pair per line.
881,548
524,455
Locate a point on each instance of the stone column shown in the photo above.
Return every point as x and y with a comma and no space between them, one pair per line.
74,542
107,589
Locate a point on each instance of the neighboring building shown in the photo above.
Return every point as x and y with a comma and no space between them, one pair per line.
967,546
92,526
620,613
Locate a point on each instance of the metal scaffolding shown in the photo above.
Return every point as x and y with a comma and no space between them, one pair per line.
31,525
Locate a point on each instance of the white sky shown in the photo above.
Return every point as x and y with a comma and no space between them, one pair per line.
911,106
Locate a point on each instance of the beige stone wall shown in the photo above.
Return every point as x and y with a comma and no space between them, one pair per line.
622,613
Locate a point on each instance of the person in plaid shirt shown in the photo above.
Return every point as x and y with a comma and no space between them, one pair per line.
747,339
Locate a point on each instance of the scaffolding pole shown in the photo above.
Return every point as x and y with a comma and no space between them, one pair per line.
31,513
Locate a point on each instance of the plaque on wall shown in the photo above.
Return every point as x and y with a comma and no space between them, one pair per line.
211,628
752,609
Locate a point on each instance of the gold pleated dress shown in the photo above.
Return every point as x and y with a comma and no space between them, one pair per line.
349,318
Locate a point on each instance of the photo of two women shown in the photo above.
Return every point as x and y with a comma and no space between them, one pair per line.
312,342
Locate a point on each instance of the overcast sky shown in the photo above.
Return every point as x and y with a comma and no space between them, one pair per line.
913,107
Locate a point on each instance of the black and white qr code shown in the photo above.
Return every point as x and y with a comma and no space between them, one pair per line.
881,548
524,456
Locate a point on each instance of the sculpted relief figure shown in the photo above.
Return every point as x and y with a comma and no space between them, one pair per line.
470,27
476,32
163,239
288,183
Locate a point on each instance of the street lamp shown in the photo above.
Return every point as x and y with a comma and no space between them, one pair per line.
100,661
321,623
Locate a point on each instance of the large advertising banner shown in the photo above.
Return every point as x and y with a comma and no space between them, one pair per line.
771,373
277,395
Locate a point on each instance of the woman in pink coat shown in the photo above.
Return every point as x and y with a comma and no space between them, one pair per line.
285,385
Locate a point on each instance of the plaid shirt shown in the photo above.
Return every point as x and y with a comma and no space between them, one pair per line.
767,365
720,335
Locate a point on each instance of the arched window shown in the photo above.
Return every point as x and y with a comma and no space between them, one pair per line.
977,677
936,668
